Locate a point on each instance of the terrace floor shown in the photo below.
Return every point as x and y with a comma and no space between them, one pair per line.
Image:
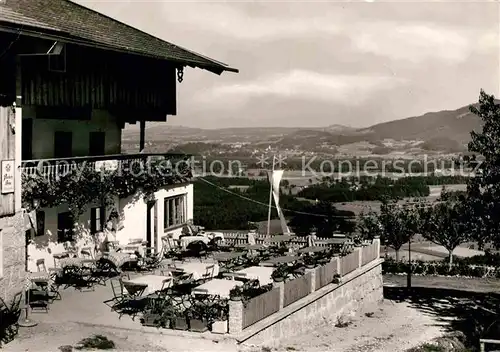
81,314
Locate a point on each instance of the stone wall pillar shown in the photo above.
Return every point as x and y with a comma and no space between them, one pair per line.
281,286
313,278
235,317
359,249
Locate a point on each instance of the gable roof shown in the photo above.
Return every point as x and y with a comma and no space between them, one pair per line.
70,22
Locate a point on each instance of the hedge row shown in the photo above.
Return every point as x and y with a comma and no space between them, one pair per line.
440,268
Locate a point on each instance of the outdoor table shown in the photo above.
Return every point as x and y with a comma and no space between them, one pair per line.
197,269
119,258
279,260
216,287
261,273
147,283
78,262
227,256
313,249
279,239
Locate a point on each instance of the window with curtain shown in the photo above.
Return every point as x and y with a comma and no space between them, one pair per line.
175,211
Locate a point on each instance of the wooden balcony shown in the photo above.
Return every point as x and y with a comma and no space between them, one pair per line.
53,169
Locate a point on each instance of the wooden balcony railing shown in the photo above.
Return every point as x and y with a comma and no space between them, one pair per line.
59,167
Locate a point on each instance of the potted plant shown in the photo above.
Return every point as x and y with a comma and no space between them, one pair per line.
236,293
336,279
309,262
151,318
195,319
323,258
167,316
217,317
180,319
280,273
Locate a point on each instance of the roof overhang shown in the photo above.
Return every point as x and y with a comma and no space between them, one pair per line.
64,37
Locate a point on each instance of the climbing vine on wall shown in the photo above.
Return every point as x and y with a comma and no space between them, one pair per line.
86,184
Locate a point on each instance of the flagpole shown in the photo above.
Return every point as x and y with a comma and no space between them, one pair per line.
270,200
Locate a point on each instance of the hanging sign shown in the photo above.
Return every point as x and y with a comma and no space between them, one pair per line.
7,176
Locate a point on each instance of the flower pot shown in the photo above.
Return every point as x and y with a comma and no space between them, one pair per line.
197,325
166,323
220,327
235,298
278,279
180,323
310,266
150,319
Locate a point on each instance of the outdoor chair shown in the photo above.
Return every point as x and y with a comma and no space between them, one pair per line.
153,262
39,299
121,297
50,283
196,249
208,275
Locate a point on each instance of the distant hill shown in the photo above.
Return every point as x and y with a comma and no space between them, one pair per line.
441,131
454,125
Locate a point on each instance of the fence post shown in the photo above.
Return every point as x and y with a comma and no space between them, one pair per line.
336,258
235,317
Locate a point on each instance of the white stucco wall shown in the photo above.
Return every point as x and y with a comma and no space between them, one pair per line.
43,247
101,121
133,216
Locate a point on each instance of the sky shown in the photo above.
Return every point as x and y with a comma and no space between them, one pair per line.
313,64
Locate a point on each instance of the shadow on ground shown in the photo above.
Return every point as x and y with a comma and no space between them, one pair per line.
470,313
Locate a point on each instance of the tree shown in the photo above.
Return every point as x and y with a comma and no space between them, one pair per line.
395,224
323,218
286,185
447,223
484,189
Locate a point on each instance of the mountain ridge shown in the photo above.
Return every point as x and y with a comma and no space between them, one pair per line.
445,129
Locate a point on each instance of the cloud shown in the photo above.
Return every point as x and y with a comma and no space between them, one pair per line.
420,42
233,22
349,90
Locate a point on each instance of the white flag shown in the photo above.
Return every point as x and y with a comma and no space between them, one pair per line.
275,180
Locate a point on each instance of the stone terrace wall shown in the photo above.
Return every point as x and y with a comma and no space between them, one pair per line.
12,245
359,289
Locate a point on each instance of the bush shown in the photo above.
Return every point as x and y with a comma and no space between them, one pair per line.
441,268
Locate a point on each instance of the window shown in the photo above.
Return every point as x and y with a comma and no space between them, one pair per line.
63,144
40,223
96,219
175,211
64,227
96,143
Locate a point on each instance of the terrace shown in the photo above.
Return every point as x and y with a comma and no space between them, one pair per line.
233,288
